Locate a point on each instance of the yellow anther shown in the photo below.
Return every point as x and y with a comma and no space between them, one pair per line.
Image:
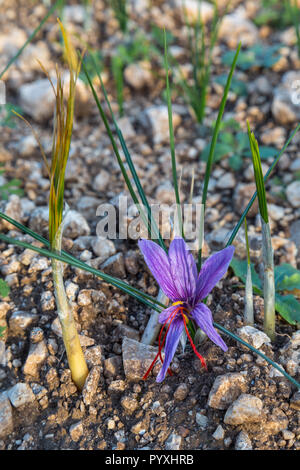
179,302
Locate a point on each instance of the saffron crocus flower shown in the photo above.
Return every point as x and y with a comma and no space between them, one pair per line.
176,274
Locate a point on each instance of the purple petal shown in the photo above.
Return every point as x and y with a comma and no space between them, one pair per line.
183,268
167,313
203,317
158,263
212,271
172,341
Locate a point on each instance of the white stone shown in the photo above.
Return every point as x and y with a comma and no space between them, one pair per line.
6,418
11,42
36,357
75,225
20,395
74,14
243,442
275,372
101,181
76,431
173,442
246,409
275,212
159,121
201,420
37,99
138,75
253,336
27,145
293,193
295,166
219,433
236,27
103,248
126,128
193,8
227,181
226,388
285,105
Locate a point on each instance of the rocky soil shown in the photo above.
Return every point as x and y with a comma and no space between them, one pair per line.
241,402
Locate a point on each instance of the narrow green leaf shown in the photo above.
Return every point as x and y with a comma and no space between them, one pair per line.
214,139
258,175
171,133
146,220
287,277
131,166
69,259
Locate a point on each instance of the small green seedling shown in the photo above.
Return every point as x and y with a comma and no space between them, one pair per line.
4,288
10,187
259,55
7,114
238,86
287,288
274,13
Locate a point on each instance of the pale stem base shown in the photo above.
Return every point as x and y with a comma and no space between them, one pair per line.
269,283
76,360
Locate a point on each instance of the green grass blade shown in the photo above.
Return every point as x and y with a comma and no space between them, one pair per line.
66,258
31,37
172,142
215,137
116,151
131,166
276,160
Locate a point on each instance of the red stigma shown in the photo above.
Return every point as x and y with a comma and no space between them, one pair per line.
170,319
